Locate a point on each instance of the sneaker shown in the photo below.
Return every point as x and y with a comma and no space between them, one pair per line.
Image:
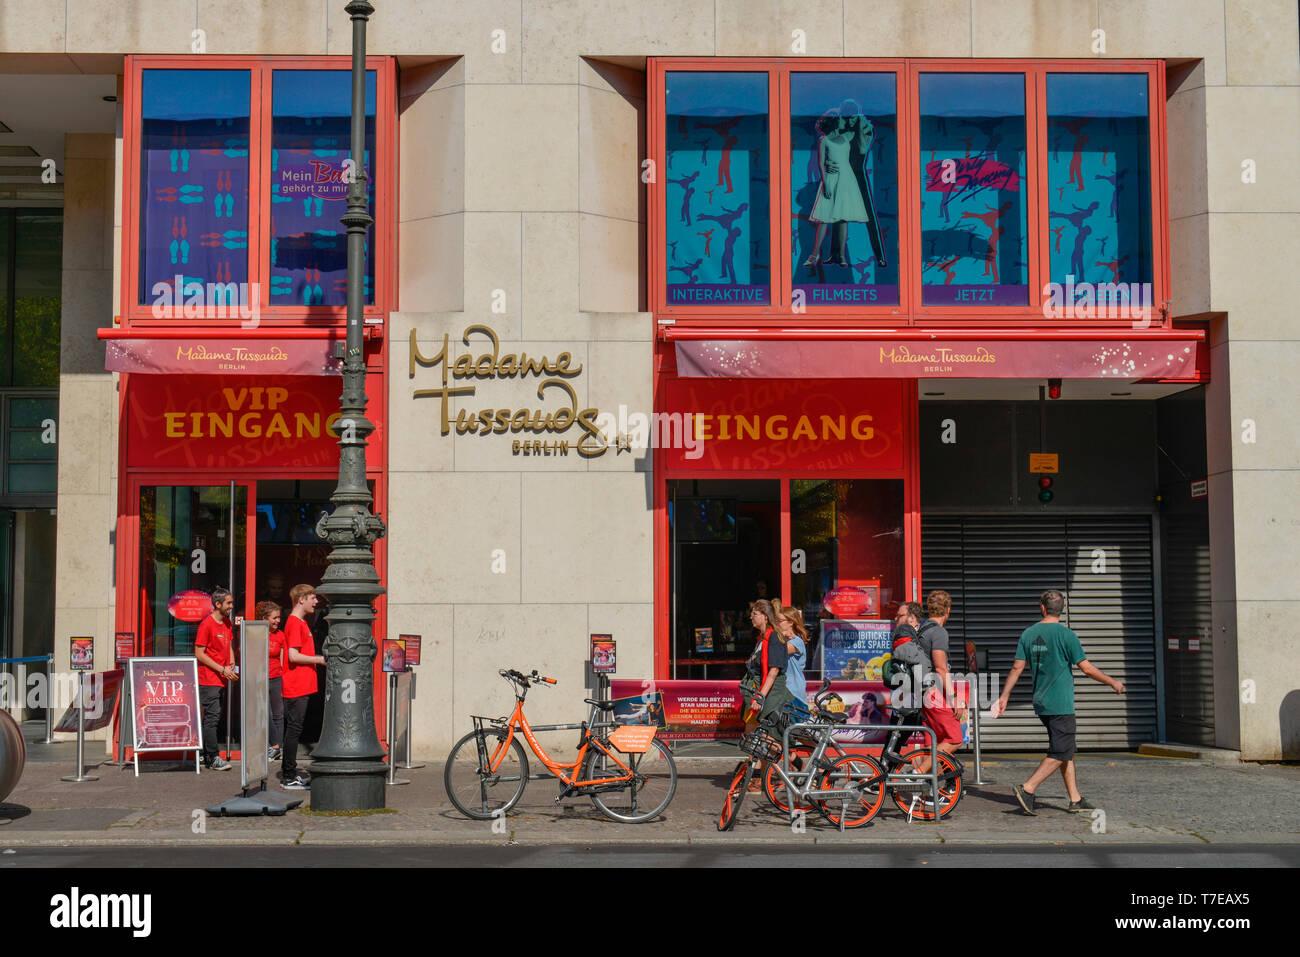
1026,800
220,764
273,754
1080,805
295,783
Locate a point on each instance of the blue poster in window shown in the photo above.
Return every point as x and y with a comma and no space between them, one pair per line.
855,650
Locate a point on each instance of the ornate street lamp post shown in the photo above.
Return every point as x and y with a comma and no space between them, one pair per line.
348,768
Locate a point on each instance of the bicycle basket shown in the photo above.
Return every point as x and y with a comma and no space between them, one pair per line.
761,745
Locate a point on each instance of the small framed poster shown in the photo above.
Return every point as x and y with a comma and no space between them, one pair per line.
604,654
412,644
123,646
81,654
703,639
394,655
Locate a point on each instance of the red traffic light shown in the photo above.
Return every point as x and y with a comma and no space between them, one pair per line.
1044,481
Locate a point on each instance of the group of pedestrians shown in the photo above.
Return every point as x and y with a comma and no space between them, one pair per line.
292,674
775,675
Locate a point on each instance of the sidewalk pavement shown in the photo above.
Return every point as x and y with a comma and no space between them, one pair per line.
1145,800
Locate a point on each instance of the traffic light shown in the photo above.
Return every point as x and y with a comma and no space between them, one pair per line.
1044,488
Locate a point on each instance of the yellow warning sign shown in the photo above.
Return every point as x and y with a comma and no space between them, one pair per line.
1044,462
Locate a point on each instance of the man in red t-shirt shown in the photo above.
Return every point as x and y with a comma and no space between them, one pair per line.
212,648
299,682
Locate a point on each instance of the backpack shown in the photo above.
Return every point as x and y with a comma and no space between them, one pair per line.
906,655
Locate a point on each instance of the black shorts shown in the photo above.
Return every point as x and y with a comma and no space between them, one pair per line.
1060,735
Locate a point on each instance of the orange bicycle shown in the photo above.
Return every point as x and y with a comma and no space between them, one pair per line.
629,776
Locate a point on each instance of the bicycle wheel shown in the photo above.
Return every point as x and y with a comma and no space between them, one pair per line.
774,787
852,770
656,783
916,799
735,796
477,794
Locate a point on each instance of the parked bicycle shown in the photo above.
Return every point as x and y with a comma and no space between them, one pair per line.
844,788
629,775
913,798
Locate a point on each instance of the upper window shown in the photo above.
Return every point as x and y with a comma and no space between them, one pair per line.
844,188
908,191
1099,181
242,181
974,194
718,189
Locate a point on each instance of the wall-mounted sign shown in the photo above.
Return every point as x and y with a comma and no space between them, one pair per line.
1046,463
1172,644
1193,644
81,654
123,646
190,605
1200,488
853,601
532,430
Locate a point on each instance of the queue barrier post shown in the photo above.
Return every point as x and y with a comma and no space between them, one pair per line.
392,728
49,703
409,683
932,777
81,776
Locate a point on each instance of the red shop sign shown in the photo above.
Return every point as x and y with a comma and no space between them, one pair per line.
852,602
752,425
234,422
190,605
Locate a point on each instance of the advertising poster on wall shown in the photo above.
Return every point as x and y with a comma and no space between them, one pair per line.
165,704
123,646
855,650
681,710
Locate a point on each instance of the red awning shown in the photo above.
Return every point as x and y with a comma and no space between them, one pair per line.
825,353
222,356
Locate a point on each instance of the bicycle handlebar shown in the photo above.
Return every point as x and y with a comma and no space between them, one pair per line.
523,679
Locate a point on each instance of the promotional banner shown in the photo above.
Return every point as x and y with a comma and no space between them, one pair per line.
123,646
254,690
394,655
234,421
81,654
741,425
165,704
1124,359
855,650
412,644
222,356
604,654
102,690
710,710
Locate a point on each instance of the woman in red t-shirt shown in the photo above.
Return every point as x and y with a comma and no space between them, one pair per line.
269,611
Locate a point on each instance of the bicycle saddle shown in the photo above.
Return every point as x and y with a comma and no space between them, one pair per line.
602,705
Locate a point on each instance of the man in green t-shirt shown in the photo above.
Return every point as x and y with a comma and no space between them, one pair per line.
1052,650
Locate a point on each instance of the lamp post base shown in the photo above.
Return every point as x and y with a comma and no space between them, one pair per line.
348,785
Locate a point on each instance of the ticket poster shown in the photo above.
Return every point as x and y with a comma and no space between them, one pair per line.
412,645
855,650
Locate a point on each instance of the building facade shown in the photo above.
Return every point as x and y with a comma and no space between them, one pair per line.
841,248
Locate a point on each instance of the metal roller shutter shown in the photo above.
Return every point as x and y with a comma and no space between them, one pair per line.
1189,675
997,566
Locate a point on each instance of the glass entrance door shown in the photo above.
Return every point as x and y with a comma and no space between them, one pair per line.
192,538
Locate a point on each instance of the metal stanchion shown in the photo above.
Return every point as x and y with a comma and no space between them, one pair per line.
392,727
81,774
975,729
49,702
407,765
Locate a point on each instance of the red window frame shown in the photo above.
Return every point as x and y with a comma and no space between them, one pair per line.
136,315
910,311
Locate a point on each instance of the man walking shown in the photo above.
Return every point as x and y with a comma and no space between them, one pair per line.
212,649
936,709
1052,650
299,682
